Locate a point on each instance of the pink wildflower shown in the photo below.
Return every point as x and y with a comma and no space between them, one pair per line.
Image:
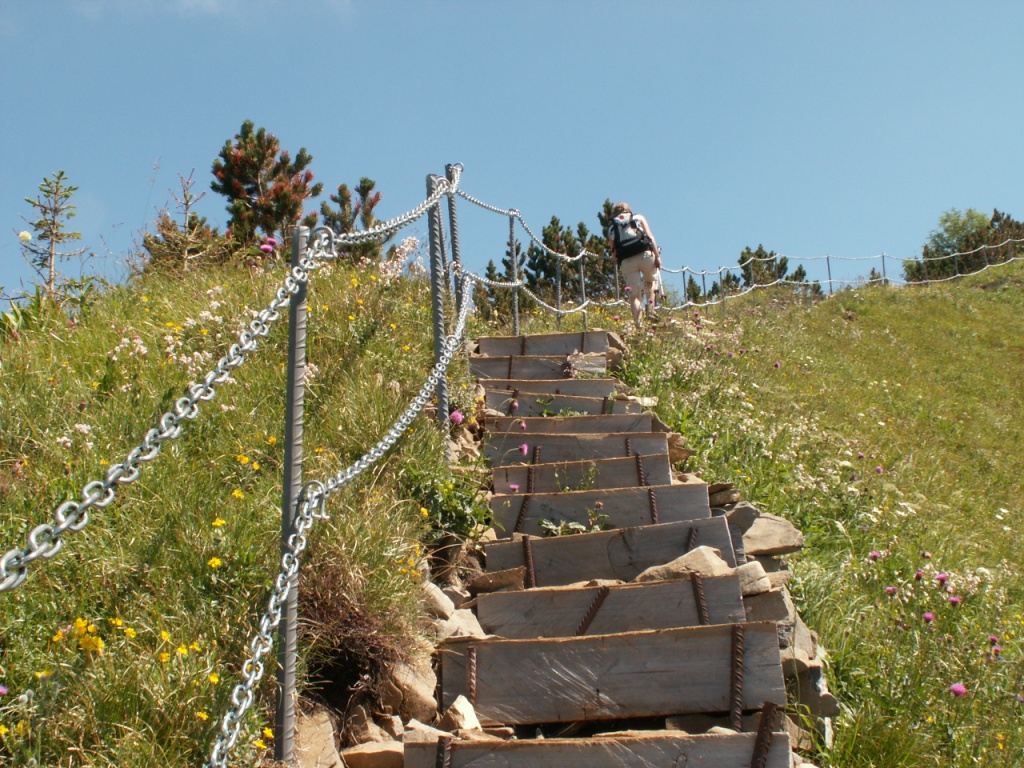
891,590
879,470
958,689
524,449
272,242
941,577
919,575
928,616
954,600
457,417
267,248
513,487
874,555
778,364
993,639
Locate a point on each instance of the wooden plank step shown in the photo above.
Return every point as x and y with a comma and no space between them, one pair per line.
532,404
603,387
569,425
636,674
603,474
653,749
621,554
544,344
507,448
535,366
599,509
565,611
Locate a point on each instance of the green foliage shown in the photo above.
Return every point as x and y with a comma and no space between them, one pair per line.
53,210
347,215
761,267
966,242
264,187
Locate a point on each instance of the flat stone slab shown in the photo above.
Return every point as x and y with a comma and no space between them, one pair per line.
603,387
536,366
537,404
543,344
507,448
594,474
569,425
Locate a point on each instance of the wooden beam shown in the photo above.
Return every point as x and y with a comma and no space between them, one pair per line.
636,674
621,554
544,344
535,404
562,612
535,366
584,475
599,509
575,387
566,425
655,749
506,448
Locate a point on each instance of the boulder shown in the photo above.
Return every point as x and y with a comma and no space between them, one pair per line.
409,689
457,595
772,535
315,746
721,498
421,733
707,561
362,729
753,579
770,605
463,623
742,515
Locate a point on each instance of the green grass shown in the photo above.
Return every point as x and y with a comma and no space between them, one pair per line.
923,382
885,423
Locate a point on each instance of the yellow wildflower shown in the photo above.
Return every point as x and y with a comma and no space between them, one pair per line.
43,674
268,733
92,644
163,657
202,715
116,621
4,730
238,494
355,282
214,678
218,522
242,458
81,625
23,728
351,317
57,636
195,647
271,440
259,744
181,650
424,512
255,466
129,632
215,562
165,635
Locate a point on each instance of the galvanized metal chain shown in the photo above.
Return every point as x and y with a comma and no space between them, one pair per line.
491,283
310,507
44,541
548,307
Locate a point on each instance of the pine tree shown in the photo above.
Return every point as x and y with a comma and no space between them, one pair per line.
264,188
692,290
54,209
344,218
762,267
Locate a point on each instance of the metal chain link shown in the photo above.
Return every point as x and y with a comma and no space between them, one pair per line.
44,541
548,307
310,506
490,283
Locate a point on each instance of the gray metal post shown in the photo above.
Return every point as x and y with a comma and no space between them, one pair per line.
885,281
828,265
437,283
583,283
295,392
453,225
704,286
616,261
558,292
515,273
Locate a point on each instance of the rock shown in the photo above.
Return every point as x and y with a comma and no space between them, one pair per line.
779,579
436,602
719,487
772,535
314,741
502,732
471,735
707,561
463,623
799,737
770,605
742,515
721,498
421,733
753,579
361,728
457,595
511,579
392,726
771,564
812,691
460,716
796,661
388,754
409,689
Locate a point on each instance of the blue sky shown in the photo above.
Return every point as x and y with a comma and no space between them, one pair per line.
841,128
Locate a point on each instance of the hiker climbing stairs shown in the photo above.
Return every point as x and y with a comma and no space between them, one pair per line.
594,639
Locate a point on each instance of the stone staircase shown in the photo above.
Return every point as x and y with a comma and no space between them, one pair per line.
641,636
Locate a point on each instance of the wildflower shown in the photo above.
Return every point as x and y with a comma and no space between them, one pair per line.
778,364
181,650
267,248
163,657
919,575
25,236
255,466
165,635
628,289
424,513
57,636
958,689
955,600
214,678
524,449
615,318
202,715
997,649
215,562
522,426
351,317
941,578
4,690
80,626
259,744
890,590
879,470
926,555
218,522
238,494
874,555
23,728
514,405
514,487
92,644
457,417
194,646
272,242
993,639
271,440
4,730
130,633
242,458
928,616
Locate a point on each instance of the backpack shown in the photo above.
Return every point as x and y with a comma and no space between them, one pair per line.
629,236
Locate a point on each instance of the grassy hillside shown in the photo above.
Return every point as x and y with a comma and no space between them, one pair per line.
884,423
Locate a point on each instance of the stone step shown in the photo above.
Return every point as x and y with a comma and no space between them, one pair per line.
611,608
524,426
620,554
599,509
536,366
594,474
598,387
532,404
650,749
508,448
543,344
719,668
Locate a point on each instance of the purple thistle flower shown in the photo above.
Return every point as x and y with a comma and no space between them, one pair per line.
874,555
524,449
955,600
615,318
958,689
879,470
522,426
628,289
778,364
515,405
941,577
996,649
272,242
4,690
457,417
891,590
928,616
860,454
993,639
919,575
926,555
267,248
513,487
